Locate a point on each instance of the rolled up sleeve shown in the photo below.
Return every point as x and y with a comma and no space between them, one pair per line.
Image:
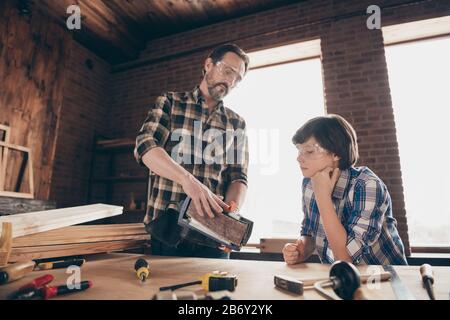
238,171
366,220
156,128
309,223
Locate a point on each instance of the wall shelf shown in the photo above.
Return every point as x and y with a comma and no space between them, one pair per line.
113,148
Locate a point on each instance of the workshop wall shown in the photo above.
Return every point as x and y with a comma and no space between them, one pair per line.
33,56
52,101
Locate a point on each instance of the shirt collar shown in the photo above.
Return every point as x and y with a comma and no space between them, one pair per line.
199,99
342,184
197,94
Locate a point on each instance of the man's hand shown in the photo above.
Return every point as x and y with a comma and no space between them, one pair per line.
323,182
294,253
205,202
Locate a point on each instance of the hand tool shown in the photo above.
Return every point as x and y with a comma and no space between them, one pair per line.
39,289
189,295
27,291
298,286
142,269
48,292
59,264
16,271
37,283
428,279
400,290
213,281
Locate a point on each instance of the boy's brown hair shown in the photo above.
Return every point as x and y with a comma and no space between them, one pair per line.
334,134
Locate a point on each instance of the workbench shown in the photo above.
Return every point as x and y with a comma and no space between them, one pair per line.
113,277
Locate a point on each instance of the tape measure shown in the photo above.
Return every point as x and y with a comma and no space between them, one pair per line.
213,281
217,280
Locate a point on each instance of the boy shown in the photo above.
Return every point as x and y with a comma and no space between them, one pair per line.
348,210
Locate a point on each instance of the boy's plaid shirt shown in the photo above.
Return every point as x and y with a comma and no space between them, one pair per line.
184,116
364,206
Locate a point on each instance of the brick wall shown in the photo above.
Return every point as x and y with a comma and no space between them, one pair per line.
84,113
354,70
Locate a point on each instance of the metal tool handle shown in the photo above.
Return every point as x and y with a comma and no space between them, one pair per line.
384,276
427,272
181,285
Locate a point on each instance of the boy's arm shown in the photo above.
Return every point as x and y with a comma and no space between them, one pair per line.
334,230
323,184
351,242
309,245
299,251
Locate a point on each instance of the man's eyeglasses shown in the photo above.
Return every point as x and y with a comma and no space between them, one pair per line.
228,72
311,152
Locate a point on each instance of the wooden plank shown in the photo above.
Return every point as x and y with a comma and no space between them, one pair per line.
66,250
82,234
274,245
12,194
40,221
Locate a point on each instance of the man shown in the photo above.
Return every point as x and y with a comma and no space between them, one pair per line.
175,144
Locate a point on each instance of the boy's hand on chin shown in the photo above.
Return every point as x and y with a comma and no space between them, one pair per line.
323,182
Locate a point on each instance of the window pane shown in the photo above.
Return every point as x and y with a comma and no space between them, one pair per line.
419,77
275,102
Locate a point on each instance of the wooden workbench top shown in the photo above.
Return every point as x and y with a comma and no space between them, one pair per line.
113,277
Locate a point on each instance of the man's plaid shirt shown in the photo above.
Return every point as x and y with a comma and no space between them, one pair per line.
364,207
181,123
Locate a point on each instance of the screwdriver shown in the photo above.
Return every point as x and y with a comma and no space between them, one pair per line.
213,281
428,279
142,269
59,264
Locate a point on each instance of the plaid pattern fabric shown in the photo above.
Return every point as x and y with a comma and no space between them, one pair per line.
364,206
181,123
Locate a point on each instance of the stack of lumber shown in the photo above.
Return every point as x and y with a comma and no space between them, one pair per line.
79,240
40,221
54,233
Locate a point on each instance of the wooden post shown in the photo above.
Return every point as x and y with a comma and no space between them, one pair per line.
3,156
5,243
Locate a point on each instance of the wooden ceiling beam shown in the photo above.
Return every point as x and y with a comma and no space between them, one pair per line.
117,30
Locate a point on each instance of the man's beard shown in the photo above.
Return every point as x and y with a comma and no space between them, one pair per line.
215,90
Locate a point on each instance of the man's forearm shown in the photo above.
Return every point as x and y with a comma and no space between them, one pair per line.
236,192
159,162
